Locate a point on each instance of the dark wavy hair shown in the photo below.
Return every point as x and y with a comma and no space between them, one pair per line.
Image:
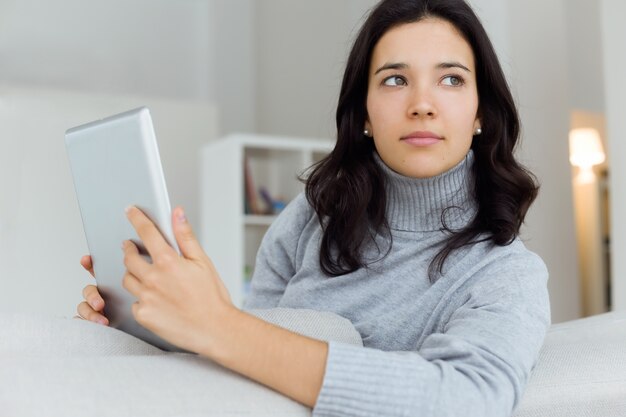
347,188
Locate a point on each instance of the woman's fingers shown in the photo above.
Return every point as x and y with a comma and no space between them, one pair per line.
93,298
131,284
85,311
151,237
187,242
91,309
86,263
133,261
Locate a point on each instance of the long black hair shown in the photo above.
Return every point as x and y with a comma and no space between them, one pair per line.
347,188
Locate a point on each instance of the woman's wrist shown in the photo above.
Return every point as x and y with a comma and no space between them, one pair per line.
234,336
217,338
269,354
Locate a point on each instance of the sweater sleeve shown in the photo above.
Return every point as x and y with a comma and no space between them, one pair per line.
276,258
477,366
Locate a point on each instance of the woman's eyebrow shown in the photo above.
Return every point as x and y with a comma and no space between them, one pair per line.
402,65
452,64
392,65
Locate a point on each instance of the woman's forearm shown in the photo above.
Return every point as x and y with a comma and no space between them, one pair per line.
287,362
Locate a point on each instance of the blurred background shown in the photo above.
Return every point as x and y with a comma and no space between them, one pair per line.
210,68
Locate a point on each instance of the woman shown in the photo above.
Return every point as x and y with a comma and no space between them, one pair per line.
409,229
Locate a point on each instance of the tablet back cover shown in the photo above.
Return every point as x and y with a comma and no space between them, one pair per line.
115,163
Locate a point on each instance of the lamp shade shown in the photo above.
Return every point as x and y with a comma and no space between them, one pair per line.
585,148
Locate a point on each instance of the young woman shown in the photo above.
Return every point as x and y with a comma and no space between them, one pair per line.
408,229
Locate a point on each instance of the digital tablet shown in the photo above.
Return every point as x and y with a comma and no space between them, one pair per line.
115,164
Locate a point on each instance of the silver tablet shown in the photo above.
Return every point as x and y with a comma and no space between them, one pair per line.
115,163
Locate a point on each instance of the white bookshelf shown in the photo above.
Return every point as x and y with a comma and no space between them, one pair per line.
230,236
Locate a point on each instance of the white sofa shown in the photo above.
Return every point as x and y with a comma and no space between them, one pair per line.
581,370
62,367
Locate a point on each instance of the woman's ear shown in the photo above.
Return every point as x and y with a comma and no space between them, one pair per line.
477,127
367,130
478,122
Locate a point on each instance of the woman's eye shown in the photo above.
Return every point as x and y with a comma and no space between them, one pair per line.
394,81
452,80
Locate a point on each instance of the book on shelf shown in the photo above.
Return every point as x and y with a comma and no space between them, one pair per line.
250,202
274,205
270,205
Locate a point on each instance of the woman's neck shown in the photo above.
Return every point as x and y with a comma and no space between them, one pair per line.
445,201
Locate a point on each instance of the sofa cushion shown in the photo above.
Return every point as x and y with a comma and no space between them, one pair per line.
61,367
581,371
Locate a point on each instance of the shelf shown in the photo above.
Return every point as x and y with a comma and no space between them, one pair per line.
258,220
230,237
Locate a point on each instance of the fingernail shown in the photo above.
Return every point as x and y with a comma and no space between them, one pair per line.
128,209
102,321
181,216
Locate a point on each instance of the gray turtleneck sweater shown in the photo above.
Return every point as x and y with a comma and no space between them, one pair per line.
462,346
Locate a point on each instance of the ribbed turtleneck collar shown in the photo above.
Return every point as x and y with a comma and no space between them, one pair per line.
424,204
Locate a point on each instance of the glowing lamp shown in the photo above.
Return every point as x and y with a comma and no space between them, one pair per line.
585,151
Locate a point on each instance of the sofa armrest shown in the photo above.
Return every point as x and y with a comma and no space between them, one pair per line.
581,371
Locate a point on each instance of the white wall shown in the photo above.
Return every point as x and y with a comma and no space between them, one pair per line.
540,77
494,16
614,58
585,52
186,50
139,47
301,51
233,76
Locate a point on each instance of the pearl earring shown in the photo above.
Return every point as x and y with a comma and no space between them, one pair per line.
366,132
478,131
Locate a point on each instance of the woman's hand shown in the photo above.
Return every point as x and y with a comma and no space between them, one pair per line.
91,309
181,298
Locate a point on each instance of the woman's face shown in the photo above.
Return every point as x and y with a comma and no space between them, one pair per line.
422,99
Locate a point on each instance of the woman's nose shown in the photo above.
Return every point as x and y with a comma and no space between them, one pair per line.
421,104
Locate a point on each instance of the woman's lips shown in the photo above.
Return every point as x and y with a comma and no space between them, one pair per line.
422,138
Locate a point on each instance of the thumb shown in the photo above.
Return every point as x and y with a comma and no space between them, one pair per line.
187,243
